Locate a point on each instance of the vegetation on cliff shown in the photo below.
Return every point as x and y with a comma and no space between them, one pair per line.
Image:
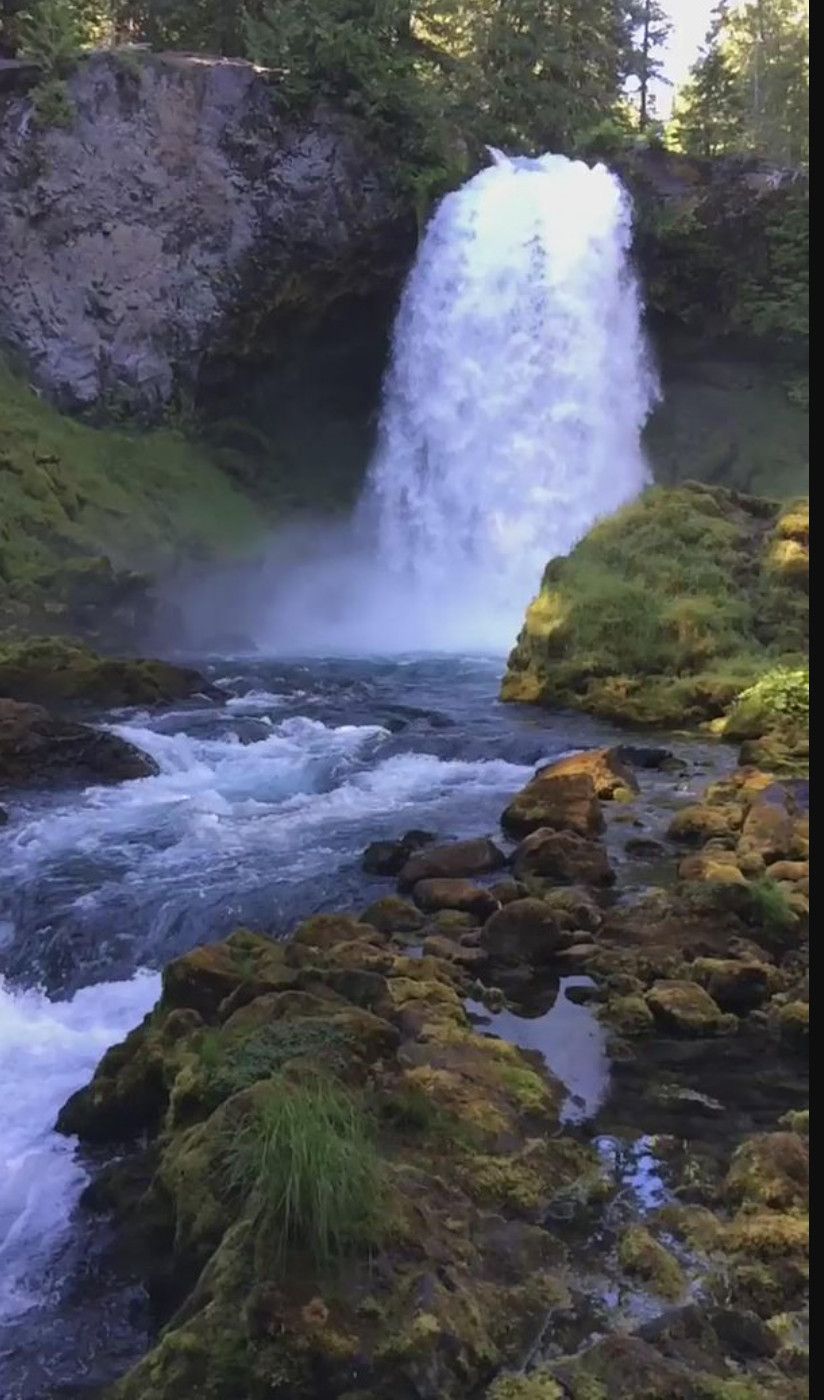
668,610
67,490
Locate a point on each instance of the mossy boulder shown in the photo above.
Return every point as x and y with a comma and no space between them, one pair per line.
565,801
563,857
664,613
649,1262
40,748
771,1169
685,1008
448,1271
54,671
523,932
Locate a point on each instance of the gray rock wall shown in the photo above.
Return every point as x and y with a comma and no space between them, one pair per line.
126,239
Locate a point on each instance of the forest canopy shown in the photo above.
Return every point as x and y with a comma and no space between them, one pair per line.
565,75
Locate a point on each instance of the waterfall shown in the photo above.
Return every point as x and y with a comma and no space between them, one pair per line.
513,407
518,389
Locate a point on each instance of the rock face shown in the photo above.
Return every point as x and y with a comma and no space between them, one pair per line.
131,237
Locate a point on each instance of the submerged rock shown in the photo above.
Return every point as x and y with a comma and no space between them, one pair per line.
38,748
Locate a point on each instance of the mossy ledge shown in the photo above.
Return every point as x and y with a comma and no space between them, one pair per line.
667,611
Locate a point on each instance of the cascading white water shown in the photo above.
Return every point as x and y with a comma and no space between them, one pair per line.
515,400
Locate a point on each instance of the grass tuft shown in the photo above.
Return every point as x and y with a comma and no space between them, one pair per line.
309,1157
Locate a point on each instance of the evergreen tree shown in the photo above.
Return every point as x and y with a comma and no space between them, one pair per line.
650,28
749,90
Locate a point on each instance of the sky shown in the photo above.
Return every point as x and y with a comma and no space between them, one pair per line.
691,20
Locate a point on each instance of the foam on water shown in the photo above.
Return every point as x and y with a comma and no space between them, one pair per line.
47,1051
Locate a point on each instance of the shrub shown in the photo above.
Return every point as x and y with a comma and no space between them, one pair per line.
309,1158
779,700
771,906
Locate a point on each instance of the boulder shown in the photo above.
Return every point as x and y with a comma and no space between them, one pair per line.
686,1009
393,915
563,856
575,908
557,801
735,985
37,747
717,866
702,821
609,770
433,895
769,832
389,857
770,1169
456,860
55,671
525,931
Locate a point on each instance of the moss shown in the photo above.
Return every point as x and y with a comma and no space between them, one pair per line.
143,498
53,670
538,1385
644,1258
664,613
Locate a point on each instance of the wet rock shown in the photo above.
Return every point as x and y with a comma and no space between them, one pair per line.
575,908
454,923
794,871
629,1014
687,1009
37,747
579,956
432,895
464,955
559,802
624,1367
645,1259
389,857
645,848
734,984
714,866
324,931
4,817
457,860
206,978
650,757
699,823
524,931
505,891
768,832
393,915
743,1334
770,1169
563,856
609,770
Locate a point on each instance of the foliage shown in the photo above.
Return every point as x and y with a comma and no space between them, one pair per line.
749,90
66,488
309,1157
778,700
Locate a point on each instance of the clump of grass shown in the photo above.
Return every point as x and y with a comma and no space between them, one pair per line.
309,1157
234,1066
772,907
